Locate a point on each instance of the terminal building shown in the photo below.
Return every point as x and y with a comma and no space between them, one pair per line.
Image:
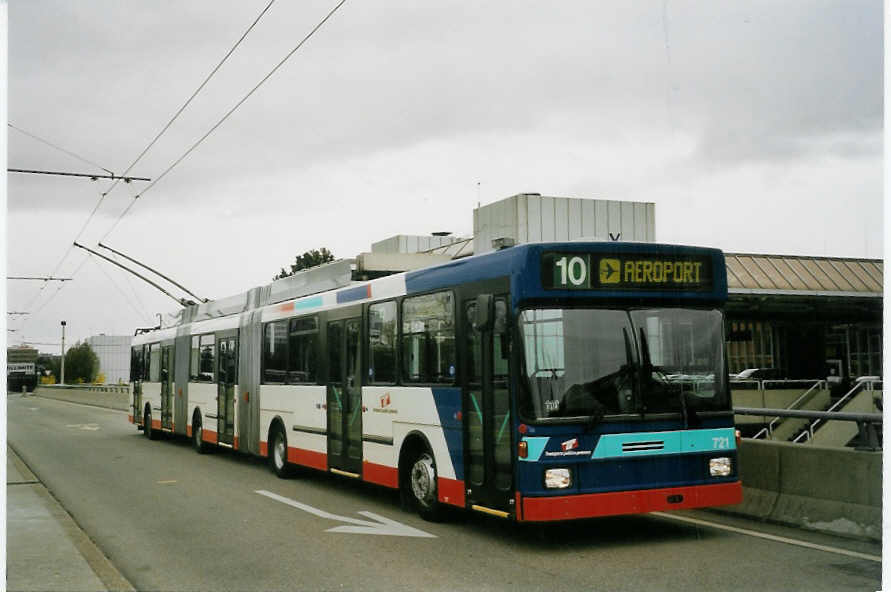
800,317
113,352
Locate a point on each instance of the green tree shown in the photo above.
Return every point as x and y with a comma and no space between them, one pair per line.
307,260
81,364
51,363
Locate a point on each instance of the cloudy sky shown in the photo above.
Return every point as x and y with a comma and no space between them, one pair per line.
754,127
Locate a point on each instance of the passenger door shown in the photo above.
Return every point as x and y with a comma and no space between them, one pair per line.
344,396
167,387
227,378
488,424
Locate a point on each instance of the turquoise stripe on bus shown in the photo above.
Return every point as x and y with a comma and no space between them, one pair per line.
657,443
308,303
535,446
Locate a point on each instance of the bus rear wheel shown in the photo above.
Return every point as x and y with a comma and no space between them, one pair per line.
278,454
147,431
422,482
198,443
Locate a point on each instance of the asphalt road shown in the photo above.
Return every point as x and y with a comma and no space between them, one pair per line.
171,519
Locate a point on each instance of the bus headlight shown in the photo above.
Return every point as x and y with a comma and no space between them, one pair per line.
719,467
558,478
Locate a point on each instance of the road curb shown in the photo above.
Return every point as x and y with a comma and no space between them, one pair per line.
104,569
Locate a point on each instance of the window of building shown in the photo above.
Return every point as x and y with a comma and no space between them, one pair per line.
275,352
428,338
382,342
750,344
302,340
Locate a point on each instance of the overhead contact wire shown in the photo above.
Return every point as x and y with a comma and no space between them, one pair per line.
145,150
59,148
194,94
225,117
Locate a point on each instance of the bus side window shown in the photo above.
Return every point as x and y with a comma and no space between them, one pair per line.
382,342
275,352
302,341
154,362
206,358
194,359
428,338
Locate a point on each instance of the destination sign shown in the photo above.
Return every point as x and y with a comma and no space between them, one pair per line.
20,368
637,271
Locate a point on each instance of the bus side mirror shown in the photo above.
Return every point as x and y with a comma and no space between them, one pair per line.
484,314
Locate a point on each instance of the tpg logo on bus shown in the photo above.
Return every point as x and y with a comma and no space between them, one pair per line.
570,445
385,405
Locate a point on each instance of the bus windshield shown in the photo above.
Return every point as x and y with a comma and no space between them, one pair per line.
596,362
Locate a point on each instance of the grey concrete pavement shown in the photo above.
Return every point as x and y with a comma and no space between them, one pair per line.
171,519
45,549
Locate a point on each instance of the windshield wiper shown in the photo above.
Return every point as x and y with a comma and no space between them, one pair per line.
647,371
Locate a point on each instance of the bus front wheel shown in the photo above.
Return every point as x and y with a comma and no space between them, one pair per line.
422,487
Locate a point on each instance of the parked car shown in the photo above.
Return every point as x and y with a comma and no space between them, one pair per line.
757,374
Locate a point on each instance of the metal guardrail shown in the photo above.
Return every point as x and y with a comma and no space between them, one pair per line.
856,389
100,388
866,422
767,431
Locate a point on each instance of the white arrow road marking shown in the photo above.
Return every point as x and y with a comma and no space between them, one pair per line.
380,525
92,427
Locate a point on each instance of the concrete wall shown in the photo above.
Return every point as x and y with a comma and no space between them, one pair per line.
111,396
836,490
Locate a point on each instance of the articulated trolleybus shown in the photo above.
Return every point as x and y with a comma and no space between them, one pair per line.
542,382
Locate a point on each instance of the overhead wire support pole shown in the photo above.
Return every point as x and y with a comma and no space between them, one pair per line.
91,176
158,273
180,301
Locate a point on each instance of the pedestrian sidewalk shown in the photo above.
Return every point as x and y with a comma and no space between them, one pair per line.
45,549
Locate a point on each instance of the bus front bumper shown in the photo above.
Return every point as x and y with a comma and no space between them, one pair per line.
591,505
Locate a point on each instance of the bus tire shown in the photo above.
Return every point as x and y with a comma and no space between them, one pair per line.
148,432
198,443
422,480
278,453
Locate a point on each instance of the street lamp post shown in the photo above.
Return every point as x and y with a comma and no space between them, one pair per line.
63,352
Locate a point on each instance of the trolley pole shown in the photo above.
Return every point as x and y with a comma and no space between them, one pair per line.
63,352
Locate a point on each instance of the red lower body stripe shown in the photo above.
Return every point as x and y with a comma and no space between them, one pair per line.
450,491
308,458
568,507
380,474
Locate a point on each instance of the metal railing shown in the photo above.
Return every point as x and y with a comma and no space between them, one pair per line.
768,431
866,422
808,434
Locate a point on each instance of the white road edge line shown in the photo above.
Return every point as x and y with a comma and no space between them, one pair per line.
770,537
109,409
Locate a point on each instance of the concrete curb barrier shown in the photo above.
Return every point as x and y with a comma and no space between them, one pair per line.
109,396
837,490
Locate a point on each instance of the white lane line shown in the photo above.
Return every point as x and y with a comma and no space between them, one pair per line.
109,409
770,537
